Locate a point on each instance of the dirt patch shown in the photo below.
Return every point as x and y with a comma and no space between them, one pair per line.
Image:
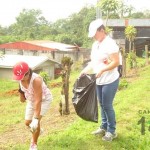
56,84
132,75
51,123
10,93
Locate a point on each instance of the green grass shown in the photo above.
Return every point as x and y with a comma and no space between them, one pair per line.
128,102
7,85
130,105
11,112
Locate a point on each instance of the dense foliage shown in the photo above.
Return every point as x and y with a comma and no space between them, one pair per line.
32,25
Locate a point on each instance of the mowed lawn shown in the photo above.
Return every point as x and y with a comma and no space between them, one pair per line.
132,106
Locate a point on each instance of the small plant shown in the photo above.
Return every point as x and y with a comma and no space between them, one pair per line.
132,60
123,84
45,76
108,30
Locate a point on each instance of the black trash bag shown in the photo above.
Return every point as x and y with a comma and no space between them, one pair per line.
85,98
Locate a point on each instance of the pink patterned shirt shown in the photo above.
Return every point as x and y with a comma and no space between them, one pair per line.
29,93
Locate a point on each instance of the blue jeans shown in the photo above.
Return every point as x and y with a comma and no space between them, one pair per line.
106,94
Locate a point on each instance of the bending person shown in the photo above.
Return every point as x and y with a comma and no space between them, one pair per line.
34,91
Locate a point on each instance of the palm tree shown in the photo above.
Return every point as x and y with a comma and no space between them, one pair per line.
108,7
130,33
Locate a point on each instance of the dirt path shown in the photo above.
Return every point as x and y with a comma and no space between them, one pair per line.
51,123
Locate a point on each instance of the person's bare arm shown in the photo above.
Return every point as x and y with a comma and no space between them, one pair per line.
37,86
114,62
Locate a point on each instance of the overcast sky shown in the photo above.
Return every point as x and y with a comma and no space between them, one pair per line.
52,10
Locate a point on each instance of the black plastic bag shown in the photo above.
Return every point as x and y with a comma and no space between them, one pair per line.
85,98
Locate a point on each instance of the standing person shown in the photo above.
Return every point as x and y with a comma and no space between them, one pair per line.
104,62
34,91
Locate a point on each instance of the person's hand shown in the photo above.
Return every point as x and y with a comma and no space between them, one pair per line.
82,74
99,74
34,124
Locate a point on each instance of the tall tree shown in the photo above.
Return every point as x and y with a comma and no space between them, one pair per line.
108,7
27,24
124,10
130,32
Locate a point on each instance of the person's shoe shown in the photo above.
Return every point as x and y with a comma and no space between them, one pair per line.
33,146
109,136
99,131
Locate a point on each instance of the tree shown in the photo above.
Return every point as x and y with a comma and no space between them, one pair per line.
137,15
130,33
74,29
108,7
124,10
3,31
140,14
146,13
29,25
66,63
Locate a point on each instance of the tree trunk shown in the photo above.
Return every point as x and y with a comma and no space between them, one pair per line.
65,74
64,103
67,111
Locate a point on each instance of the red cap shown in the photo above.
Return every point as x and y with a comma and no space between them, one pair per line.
19,70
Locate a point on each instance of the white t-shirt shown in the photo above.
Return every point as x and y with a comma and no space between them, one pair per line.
100,52
29,93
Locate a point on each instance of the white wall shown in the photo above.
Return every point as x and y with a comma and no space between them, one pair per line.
6,73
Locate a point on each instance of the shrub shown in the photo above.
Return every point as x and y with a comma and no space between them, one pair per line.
132,60
45,76
123,84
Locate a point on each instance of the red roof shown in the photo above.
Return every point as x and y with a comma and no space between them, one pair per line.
24,46
39,45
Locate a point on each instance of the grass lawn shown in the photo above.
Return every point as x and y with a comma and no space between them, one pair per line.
132,107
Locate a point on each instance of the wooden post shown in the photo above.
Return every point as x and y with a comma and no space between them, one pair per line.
146,54
123,63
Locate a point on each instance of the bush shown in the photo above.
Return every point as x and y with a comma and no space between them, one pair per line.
45,77
132,60
123,84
